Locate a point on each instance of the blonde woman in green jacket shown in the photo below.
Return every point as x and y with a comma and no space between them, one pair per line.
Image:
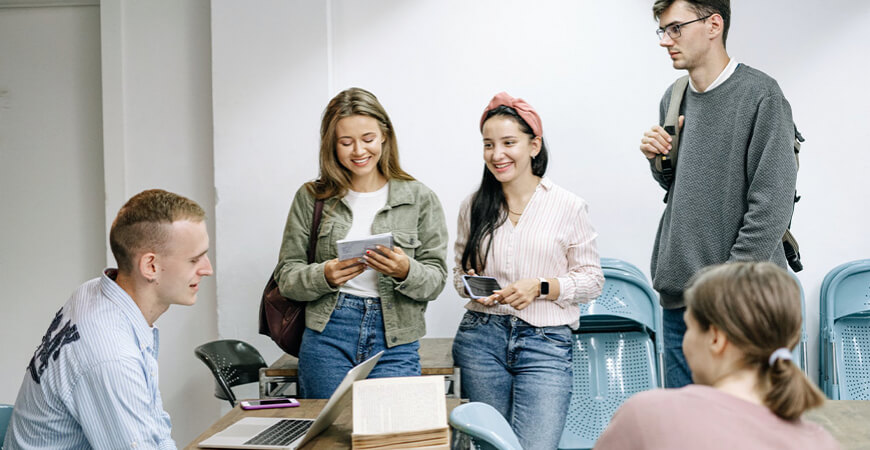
359,307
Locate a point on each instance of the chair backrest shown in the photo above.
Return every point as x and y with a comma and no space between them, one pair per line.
845,332
609,367
799,354
232,363
480,426
627,303
825,362
5,416
617,353
614,263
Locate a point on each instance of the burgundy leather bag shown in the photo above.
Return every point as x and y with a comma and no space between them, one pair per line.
282,318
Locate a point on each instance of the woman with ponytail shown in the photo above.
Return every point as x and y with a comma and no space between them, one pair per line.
535,238
742,319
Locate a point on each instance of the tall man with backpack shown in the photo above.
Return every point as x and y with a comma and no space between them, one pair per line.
731,194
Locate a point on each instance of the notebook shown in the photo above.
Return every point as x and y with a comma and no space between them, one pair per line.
278,433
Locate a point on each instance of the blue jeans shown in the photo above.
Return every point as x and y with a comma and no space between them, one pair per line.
677,373
522,371
354,333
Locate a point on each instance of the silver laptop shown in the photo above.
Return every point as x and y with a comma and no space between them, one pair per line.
279,433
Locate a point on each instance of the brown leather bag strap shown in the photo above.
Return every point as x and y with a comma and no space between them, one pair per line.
315,225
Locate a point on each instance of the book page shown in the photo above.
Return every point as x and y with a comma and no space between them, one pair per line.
391,405
348,249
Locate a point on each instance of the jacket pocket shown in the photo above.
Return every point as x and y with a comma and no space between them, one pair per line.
407,241
325,243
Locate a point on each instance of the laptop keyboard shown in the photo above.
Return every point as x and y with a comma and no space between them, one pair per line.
282,433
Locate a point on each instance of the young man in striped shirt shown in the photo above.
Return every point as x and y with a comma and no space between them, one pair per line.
92,382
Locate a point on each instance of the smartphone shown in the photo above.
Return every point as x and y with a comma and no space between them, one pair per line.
480,287
269,403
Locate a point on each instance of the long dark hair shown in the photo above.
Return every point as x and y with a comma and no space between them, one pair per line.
488,205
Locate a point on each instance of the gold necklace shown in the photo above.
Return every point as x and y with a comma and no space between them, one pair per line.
517,213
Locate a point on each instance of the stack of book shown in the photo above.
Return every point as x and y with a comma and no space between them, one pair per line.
395,413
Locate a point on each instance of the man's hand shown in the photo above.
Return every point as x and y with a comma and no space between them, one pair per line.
339,272
656,141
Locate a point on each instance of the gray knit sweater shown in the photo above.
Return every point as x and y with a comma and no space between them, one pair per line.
733,195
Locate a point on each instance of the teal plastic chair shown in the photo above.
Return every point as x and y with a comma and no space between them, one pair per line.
844,337
799,353
232,363
5,416
479,426
617,353
614,263
825,364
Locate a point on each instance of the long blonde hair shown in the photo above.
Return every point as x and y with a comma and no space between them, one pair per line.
334,178
757,306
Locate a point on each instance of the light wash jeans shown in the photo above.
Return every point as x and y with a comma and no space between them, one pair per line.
354,333
522,371
677,373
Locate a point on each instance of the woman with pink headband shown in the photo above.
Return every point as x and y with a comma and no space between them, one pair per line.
535,238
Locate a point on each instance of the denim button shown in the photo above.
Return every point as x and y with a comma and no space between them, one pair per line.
514,319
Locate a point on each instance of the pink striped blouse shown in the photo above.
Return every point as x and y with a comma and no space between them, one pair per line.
553,239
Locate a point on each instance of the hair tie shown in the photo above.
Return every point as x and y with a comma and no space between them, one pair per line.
780,353
523,109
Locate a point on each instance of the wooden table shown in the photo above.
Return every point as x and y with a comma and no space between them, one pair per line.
436,358
337,436
847,420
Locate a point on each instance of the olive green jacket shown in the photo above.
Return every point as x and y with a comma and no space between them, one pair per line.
413,214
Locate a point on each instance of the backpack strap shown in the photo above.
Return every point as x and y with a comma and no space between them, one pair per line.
667,164
789,243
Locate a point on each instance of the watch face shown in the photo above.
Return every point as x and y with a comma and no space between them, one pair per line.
545,287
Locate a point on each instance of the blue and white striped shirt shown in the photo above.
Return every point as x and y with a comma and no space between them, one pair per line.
93,380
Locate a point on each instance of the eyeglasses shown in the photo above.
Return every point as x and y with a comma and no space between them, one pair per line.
673,29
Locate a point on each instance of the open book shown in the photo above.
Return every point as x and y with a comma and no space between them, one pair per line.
403,412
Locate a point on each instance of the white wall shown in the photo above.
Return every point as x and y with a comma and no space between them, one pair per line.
67,163
592,69
158,134
51,165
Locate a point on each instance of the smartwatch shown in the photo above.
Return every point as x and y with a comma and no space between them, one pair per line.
545,286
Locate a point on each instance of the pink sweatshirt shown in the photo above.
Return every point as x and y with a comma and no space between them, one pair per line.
702,417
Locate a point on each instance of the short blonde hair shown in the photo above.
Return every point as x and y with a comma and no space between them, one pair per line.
758,307
142,224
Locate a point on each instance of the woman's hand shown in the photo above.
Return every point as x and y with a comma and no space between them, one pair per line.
485,301
339,272
389,262
518,294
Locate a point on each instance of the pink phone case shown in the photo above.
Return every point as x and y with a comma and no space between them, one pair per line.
285,403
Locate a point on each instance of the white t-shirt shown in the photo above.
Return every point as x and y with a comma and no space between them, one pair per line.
723,76
364,206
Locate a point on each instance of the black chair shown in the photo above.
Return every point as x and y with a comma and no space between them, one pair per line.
232,363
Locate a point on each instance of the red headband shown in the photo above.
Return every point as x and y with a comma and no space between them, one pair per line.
523,109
